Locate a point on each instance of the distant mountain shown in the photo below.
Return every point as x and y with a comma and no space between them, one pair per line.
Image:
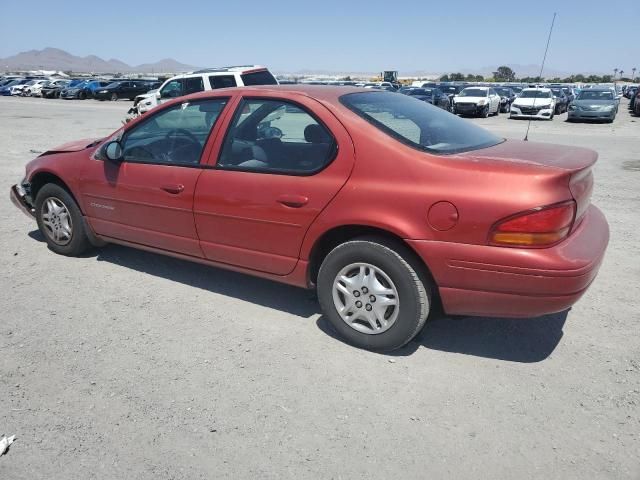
56,59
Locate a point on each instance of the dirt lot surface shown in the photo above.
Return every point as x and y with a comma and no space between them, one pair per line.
125,364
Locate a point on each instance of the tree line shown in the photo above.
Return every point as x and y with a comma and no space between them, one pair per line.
506,74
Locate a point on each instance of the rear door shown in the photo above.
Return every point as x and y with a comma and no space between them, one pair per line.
279,166
147,198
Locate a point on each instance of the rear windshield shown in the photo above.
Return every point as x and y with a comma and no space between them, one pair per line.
418,124
262,77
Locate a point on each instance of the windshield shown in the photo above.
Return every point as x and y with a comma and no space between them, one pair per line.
13,82
535,94
473,92
418,124
595,95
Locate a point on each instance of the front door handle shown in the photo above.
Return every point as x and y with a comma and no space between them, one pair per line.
293,201
173,189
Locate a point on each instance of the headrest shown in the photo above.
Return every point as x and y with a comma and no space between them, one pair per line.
314,133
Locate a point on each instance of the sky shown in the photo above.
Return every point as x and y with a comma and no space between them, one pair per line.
331,35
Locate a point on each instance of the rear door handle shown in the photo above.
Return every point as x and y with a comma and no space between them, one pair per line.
293,201
173,189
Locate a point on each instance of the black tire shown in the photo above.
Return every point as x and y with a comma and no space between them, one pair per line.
114,97
485,112
413,291
82,95
79,242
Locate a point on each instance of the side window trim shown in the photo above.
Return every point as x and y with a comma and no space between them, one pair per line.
122,136
268,171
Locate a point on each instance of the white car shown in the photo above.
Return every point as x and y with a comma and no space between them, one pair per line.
208,79
34,89
534,103
20,89
481,101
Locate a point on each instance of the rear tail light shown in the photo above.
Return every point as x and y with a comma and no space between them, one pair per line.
541,227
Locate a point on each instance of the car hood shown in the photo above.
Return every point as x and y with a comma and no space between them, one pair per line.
537,154
469,99
74,146
530,101
594,103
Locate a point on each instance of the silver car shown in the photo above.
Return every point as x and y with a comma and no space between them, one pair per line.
594,104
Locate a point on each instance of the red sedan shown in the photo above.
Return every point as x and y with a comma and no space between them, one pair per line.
381,202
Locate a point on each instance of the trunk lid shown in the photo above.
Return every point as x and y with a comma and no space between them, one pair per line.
575,162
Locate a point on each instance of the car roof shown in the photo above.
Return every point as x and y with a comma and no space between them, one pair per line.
541,89
327,93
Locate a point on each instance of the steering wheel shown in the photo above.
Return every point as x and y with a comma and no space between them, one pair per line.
184,132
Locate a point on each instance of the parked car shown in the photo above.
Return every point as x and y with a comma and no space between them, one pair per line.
13,87
380,244
84,89
481,101
451,90
633,97
507,96
434,96
33,88
562,102
594,104
630,91
569,92
128,89
537,102
635,102
208,79
53,88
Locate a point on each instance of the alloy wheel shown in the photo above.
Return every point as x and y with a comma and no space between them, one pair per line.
56,219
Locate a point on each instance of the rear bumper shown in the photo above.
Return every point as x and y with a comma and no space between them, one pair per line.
21,200
517,282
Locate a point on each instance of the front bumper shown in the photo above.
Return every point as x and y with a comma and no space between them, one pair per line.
517,282
468,108
524,112
591,114
20,197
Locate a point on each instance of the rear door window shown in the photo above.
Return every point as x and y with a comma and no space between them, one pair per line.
261,77
222,81
193,85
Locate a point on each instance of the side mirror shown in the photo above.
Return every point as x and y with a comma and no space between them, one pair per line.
113,151
158,95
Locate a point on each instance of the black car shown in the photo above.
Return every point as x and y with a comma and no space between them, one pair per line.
123,89
53,89
451,89
434,96
562,101
507,96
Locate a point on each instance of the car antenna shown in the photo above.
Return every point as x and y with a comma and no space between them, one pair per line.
526,135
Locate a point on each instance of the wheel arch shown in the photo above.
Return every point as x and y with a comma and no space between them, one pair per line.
41,178
343,233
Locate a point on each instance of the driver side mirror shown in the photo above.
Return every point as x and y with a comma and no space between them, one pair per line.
113,151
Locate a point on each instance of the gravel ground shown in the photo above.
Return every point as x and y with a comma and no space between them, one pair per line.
125,364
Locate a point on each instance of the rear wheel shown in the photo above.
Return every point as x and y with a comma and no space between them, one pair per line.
372,294
60,221
82,95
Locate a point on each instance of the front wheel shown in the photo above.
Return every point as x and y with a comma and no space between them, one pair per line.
114,97
485,112
372,294
60,221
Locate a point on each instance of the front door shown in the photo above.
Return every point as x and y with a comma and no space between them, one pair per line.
280,165
147,197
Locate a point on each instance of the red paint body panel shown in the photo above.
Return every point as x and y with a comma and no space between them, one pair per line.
268,225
